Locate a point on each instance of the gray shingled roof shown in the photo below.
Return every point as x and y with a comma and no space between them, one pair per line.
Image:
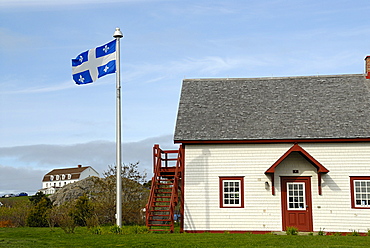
315,107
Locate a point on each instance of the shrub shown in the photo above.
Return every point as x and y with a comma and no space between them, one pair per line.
5,223
62,217
135,230
116,229
96,230
337,234
38,215
15,214
291,230
321,232
82,210
353,233
92,221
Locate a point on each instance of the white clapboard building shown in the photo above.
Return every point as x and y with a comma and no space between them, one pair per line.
264,154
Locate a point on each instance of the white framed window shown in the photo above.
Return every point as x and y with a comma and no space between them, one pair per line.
296,196
231,192
360,192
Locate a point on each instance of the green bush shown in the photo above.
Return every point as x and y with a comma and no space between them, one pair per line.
15,214
135,230
96,230
291,230
116,229
82,210
38,215
321,232
61,216
353,233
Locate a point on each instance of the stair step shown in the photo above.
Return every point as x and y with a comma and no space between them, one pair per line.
159,215
159,224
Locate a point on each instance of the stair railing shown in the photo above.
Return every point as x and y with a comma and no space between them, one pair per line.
157,161
175,189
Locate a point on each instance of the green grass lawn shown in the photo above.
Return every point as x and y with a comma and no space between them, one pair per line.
45,237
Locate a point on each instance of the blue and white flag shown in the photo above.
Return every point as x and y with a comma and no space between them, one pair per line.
88,66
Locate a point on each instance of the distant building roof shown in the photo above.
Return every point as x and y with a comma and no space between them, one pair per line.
74,172
312,107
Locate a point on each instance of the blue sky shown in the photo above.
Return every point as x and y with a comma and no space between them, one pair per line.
46,121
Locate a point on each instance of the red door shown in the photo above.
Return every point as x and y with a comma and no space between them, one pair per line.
296,203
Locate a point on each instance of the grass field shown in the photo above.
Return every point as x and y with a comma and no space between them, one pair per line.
45,237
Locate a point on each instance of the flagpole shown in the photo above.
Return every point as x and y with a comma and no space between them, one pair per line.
118,35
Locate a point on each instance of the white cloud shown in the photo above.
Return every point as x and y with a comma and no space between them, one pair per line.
35,160
98,154
16,180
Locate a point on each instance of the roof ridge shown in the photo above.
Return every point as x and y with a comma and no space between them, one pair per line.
272,78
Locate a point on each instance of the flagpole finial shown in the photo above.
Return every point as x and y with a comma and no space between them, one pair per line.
117,33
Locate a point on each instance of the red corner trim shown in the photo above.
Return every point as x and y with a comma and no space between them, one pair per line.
296,148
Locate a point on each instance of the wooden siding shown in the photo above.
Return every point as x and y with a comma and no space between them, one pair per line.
204,164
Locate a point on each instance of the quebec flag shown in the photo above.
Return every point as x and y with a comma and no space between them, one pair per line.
90,65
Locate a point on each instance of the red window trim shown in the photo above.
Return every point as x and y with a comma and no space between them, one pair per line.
352,178
221,179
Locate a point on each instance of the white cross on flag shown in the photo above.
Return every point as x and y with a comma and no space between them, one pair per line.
90,65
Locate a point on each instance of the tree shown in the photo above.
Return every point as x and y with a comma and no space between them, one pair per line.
38,213
82,211
35,199
134,195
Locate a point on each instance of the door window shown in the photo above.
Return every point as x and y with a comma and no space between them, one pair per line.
296,196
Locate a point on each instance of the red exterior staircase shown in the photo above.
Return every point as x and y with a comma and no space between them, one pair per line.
165,205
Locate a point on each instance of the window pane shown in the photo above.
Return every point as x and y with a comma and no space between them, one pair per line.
231,196
363,187
296,196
